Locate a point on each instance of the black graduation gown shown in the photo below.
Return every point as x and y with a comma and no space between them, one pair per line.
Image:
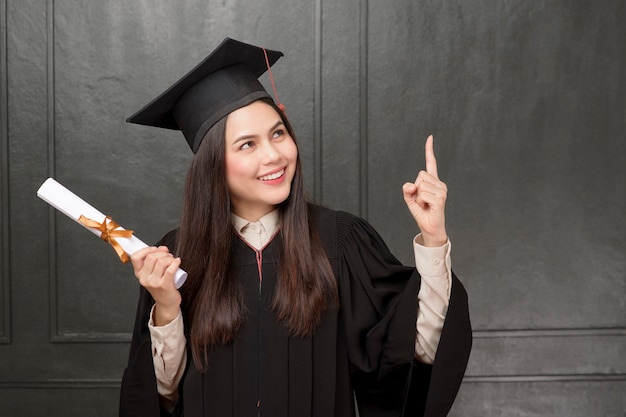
366,346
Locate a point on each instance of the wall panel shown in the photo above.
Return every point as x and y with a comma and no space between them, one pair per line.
549,354
5,311
342,125
522,119
44,399
572,399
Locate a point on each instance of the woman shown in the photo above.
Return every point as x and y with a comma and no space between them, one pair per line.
289,307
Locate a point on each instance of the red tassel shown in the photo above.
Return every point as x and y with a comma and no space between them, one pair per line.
280,105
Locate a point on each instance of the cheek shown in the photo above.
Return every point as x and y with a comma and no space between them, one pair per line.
235,169
292,151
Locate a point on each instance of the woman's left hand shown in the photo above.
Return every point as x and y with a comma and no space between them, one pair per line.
426,200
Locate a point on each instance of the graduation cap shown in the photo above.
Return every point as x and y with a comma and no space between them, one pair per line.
224,81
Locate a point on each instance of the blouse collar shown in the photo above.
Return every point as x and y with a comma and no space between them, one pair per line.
257,233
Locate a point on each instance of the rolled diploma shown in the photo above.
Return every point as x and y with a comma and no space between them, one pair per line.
73,207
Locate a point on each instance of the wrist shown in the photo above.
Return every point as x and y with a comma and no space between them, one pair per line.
163,315
432,241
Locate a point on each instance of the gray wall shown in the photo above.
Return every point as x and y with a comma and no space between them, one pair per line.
527,102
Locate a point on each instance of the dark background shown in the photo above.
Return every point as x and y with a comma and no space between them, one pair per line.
527,103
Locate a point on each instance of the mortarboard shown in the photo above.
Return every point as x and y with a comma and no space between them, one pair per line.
223,82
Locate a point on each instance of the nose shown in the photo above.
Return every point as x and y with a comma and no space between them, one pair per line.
270,153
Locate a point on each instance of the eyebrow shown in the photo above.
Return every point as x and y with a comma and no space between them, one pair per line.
246,137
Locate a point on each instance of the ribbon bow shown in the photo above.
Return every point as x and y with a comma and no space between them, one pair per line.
109,233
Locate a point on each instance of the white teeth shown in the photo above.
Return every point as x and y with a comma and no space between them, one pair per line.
273,176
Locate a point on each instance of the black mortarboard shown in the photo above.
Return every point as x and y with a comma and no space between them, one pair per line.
223,82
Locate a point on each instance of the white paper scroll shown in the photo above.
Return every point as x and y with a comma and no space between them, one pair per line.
73,207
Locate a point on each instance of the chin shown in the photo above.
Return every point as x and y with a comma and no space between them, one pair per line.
279,200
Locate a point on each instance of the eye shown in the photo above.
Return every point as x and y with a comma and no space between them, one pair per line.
247,145
278,133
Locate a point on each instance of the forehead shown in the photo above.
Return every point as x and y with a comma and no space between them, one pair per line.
256,116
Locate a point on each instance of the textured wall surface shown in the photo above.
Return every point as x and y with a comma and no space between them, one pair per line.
527,103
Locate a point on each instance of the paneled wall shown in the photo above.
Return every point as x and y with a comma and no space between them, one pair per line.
527,103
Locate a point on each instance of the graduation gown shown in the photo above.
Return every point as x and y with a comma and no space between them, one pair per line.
365,346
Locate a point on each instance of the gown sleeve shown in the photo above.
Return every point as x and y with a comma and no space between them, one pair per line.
378,297
138,393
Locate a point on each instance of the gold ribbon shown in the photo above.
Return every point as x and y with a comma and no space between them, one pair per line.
109,233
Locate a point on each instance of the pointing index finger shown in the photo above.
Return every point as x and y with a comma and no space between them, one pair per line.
431,161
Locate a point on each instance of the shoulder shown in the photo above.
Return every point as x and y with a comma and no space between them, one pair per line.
339,220
343,226
343,218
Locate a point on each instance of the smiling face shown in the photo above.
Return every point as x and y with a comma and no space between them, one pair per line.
260,158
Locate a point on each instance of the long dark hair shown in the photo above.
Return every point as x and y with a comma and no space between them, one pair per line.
213,302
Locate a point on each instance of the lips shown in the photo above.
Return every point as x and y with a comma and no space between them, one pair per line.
273,176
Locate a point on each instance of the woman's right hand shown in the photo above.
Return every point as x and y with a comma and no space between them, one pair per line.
155,268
